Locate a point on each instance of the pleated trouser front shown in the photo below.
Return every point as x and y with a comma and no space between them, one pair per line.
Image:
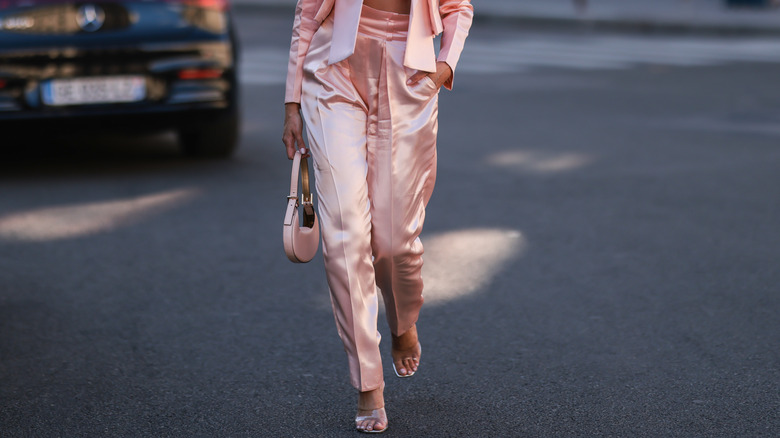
373,140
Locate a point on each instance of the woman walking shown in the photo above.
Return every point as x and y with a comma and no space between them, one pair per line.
364,76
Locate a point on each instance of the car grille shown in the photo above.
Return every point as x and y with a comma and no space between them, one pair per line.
63,19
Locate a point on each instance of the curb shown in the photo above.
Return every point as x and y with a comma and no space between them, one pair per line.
625,25
275,8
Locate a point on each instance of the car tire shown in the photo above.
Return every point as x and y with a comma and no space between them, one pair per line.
216,138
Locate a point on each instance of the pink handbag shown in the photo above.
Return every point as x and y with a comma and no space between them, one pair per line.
300,241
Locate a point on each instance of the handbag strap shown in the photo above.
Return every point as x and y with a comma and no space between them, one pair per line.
305,181
294,179
300,168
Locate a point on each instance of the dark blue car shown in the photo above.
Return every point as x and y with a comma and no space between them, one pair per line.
138,64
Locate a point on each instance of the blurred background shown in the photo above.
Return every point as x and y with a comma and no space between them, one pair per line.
601,249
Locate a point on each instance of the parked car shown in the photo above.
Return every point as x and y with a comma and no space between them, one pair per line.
138,64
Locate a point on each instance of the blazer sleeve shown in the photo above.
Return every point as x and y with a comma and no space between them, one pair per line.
456,17
304,28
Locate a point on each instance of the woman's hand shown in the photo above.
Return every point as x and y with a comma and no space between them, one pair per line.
292,136
442,75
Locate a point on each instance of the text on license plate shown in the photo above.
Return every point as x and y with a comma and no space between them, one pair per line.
80,91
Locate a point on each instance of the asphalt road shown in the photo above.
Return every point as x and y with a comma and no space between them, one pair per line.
602,260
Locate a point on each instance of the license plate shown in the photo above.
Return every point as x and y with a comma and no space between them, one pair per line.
83,91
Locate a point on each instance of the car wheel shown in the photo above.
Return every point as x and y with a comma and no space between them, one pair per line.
211,138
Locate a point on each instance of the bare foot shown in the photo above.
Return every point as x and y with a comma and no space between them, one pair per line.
406,353
371,416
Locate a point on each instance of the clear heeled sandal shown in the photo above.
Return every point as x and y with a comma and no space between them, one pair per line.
376,414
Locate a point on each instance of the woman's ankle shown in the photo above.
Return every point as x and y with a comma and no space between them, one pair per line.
406,340
372,399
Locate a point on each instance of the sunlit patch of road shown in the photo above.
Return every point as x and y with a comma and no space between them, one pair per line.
461,263
539,161
79,220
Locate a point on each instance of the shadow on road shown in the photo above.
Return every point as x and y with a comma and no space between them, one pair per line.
33,155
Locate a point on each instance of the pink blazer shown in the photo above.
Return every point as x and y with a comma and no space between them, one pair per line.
428,18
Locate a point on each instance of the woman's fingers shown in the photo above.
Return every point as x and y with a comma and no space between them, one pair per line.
439,77
417,77
300,144
290,143
293,141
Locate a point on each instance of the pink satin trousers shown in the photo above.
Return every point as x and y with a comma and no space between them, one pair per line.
373,140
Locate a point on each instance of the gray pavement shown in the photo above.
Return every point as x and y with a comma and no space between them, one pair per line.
701,16
601,259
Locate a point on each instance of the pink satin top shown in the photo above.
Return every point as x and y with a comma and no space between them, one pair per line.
428,18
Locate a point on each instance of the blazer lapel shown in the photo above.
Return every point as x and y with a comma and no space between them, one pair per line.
345,28
419,41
